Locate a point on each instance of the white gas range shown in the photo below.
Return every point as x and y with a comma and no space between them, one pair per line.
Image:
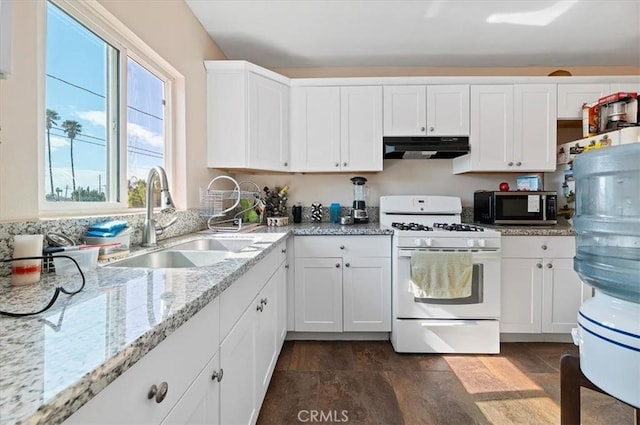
452,316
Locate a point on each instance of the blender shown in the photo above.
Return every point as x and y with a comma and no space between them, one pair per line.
359,211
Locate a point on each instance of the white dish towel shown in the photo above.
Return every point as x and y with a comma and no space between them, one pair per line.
441,274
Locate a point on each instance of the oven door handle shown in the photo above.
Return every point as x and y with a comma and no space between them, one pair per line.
475,252
455,322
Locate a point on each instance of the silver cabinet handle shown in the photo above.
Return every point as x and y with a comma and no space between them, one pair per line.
337,164
510,164
264,301
337,265
544,247
549,265
260,307
341,246
158,392
344,164
217,375
518,163
284,250
286,266
286,164
423,128
431,128
347,265
539,265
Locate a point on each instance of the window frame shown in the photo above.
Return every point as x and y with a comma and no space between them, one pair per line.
98,20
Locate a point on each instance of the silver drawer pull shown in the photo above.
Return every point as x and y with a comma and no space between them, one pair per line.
159,393
217,375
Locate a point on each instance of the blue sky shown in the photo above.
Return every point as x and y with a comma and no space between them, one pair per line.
76,68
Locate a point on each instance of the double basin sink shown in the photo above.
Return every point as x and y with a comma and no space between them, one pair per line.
195,253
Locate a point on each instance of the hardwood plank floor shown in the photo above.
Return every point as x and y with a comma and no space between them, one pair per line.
366,382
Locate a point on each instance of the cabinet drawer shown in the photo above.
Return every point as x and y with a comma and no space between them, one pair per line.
534,246
177,361
343,246
236,298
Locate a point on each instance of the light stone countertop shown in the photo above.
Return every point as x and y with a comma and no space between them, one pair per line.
53,363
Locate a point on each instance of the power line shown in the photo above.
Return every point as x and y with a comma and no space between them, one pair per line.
149,114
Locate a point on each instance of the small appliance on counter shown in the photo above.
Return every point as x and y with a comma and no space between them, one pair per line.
515,207
359,211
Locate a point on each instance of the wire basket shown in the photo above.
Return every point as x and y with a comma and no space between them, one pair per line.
218,202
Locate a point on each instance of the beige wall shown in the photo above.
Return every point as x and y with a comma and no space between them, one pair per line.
170,29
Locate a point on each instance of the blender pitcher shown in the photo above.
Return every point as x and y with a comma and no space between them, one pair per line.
359,211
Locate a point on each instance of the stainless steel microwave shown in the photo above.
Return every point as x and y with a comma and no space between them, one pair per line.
521,207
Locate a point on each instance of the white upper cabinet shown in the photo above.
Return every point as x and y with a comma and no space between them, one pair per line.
247,117
513,128
571,97
336,129
434,110
5,37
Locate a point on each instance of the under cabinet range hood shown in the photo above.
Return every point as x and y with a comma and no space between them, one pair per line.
408,147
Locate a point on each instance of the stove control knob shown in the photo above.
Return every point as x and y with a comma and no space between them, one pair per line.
428,242
417,242
482,243
470,243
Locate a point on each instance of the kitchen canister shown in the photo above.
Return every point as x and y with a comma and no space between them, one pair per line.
297,213
316,212
334,213
25,272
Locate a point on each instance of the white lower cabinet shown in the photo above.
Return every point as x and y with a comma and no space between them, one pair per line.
201,403
215,368
541,293
160,381
342,283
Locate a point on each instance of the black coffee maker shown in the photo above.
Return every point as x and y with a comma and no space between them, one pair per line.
359,211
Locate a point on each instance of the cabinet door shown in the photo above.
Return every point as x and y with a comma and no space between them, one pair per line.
268,124
282,281
448,110
367,294
562,295
361,128
534,127
318,294
238,404
265,307
521,295
491,139
571,97
404,110
315,129
201,403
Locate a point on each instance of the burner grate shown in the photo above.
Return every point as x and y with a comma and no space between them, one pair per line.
412,226
457,227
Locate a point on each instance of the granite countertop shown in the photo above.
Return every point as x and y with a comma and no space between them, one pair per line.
563,228
54,362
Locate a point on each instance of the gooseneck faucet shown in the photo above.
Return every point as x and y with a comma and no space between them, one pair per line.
150,229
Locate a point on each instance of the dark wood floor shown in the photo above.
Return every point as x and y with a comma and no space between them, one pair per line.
365,382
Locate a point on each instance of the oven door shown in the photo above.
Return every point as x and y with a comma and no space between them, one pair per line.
484,302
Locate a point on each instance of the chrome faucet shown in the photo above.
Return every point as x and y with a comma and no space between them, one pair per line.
151,230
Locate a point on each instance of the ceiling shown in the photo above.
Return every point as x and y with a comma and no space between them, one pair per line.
452,33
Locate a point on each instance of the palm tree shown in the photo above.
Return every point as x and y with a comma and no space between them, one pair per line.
72,128
52,116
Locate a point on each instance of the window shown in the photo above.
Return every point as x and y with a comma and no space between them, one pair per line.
106,114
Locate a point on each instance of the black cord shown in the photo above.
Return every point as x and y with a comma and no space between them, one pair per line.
57,292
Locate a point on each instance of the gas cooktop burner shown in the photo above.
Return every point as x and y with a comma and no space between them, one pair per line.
455,227
411,226
458,227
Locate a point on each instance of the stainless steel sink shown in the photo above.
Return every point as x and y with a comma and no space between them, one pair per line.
222,244
168,259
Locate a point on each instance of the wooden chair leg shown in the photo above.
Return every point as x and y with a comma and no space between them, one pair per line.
570,375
